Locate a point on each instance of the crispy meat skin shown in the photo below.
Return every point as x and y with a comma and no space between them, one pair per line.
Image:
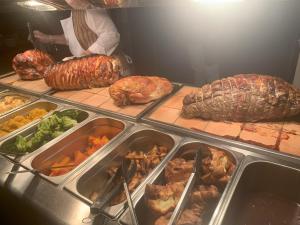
31,64
244,97
87,72
139,89
178,169
217,168
162,199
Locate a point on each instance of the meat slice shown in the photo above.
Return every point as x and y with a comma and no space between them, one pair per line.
162,199
139,89
86,72
244,97
217,168
179,169
31,64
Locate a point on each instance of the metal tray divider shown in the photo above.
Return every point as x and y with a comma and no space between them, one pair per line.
183,199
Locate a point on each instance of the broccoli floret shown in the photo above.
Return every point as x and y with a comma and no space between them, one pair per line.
21,143
68,122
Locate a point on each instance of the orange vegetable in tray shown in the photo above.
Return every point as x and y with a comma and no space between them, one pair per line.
68,163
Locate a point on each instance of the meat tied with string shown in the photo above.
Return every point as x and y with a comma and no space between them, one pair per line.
86,72
243,98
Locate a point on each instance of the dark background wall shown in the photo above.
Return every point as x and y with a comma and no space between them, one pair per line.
187,44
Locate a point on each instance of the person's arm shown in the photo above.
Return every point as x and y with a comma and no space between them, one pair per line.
50,39
108,35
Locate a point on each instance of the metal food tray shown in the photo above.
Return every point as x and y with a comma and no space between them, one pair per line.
137,139
41,103
187,147
118,115
71,141
214,138
16,88
259,175
19,158
8,92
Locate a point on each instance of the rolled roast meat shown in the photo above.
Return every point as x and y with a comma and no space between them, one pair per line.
139,89
243,98
31,64
87,72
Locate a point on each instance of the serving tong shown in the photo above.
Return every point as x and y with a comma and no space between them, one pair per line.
193,179
39,170
113,186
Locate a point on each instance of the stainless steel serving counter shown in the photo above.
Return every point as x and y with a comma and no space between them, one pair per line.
62,202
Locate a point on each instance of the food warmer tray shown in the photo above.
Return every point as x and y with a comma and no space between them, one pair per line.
139,138
41,103
63,206
256,175
119,115
188,145
31,99
73,139
213,138
19,87
29,129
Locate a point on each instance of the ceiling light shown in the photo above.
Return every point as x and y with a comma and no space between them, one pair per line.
35,5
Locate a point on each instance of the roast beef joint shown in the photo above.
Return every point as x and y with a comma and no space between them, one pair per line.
243,98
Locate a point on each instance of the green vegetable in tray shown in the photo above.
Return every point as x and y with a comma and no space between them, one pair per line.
47,129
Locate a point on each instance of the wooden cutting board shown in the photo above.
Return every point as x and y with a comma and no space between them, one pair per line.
281,136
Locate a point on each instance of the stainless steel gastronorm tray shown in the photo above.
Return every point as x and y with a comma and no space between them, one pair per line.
140,139
75,140
259,176
43,104
85,116
187,150
7,93
176,86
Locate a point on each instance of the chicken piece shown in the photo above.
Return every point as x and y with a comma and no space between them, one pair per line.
163,199
192,215
179,169
217,168
203,193
139,89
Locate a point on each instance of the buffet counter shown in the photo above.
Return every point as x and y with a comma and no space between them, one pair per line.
63,177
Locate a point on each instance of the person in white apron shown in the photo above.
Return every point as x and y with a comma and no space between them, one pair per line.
87,31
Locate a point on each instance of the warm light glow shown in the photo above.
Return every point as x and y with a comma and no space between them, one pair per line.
217,1
33,4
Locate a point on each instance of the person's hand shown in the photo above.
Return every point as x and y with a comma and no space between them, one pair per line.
86,52
43,38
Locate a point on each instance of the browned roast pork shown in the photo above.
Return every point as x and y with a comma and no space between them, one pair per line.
87,72
244,97
31,64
